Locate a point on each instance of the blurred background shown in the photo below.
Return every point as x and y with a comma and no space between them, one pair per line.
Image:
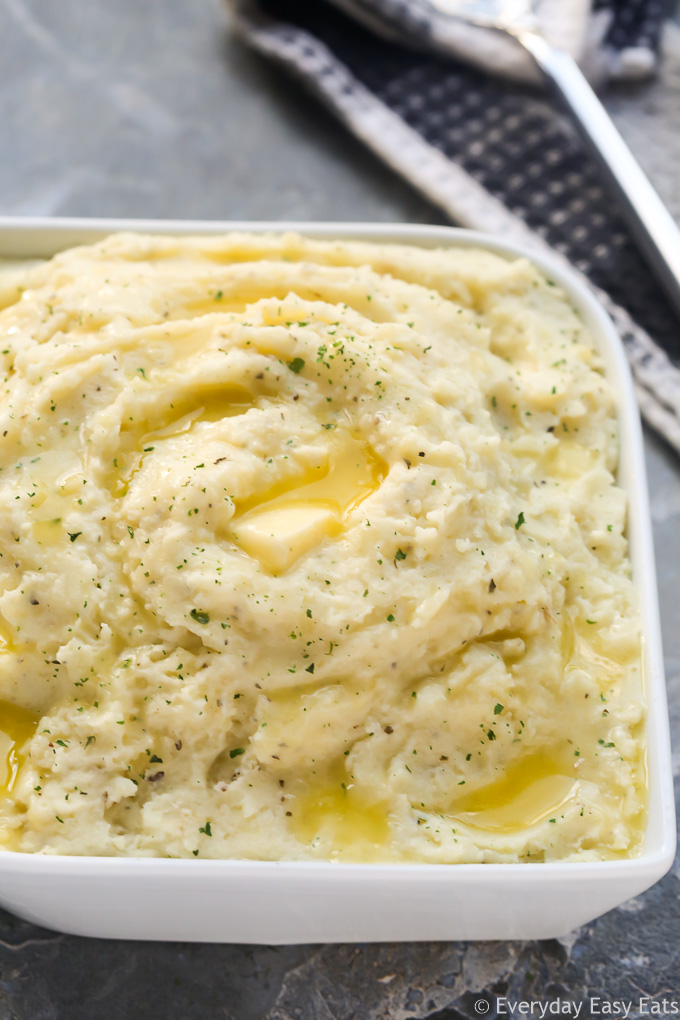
155,109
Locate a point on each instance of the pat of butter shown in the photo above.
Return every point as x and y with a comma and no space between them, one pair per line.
279,536
279,530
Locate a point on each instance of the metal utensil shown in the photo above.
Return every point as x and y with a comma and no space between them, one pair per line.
649,220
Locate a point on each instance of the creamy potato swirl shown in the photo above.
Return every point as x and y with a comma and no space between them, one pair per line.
311,550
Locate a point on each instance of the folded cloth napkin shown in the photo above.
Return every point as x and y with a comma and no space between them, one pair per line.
495,156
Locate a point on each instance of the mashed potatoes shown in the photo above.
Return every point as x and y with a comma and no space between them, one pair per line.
311,550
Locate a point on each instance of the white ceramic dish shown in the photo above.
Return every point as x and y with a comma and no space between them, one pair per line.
294,902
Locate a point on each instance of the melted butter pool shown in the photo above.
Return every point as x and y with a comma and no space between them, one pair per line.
582,648
205,404
16,727
527,793
332,812
209,403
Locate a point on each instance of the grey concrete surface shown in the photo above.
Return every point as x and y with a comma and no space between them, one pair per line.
152,109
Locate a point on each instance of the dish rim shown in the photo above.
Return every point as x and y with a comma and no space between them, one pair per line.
18,234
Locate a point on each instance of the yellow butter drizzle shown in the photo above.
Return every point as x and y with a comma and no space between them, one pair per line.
337,815
345,821
205,404
208,403
526,794
17,726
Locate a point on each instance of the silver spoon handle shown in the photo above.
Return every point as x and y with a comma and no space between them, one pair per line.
648,218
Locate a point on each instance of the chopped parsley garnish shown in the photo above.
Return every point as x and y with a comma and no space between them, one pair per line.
236,751
199,616
520,520
296,365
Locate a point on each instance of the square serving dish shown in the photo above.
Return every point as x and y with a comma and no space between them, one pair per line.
296,902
